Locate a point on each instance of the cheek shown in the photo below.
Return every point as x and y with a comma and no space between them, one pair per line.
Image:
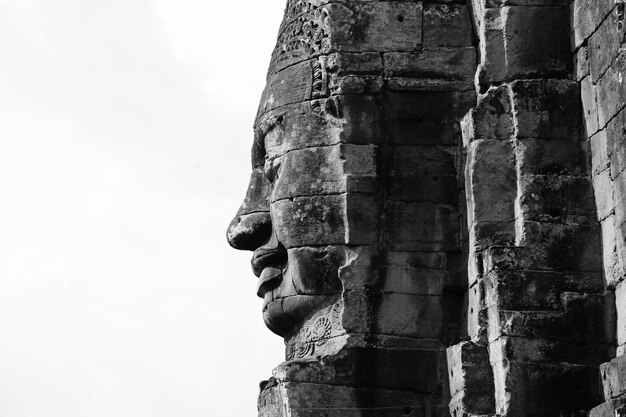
315,271
310,172
340,219
310,220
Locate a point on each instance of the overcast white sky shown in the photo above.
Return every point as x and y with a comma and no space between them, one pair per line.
125,128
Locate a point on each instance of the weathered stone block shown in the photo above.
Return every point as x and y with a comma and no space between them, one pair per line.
270,401
469,374
318,263
457,266
290,86
326,220
422,226
613,260
393,279
322,398
416,370
310,221
614,377
603,191
412,84
536,290
616,143
548,198
549,157
483,235
547,109
418,260
493,66
447,25
619,197
581,62
582,319
425,117
586,17
573,244
475,267
537,41
423,132
620,239
491,119
421,174
380,26
426,188
436,63
355,84
414,281
409,315
620,302
324,170
418,160
477,315
355,63
613,408
599,152
590,105
491,184
362,119
343,119
462,404
612,91
521,349
543,389
604,44
363,214
454,316
531,257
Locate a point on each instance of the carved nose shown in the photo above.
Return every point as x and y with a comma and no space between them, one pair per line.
249,231
252,226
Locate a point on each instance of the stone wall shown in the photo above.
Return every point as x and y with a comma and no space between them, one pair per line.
447,181
597,40
540,313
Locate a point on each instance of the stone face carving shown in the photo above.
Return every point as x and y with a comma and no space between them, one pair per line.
353,210
420,215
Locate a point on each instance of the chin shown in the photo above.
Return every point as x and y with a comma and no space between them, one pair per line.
285,315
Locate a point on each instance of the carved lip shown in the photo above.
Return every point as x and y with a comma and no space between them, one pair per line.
265,257
270,278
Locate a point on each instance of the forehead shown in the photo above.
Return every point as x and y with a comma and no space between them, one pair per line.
321,43
341,69
351,119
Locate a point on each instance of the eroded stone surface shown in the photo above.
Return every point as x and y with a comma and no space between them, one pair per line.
437,209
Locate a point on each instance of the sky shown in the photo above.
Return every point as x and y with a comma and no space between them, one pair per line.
125,129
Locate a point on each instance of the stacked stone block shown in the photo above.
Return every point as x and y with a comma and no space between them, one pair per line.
537,303
452,208
361,138
598,45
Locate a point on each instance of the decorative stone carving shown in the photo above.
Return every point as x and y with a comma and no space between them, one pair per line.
420,266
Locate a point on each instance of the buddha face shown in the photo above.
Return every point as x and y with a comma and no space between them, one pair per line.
312,194
302,206
354,163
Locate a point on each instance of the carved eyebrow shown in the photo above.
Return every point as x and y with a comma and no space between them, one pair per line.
261,129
